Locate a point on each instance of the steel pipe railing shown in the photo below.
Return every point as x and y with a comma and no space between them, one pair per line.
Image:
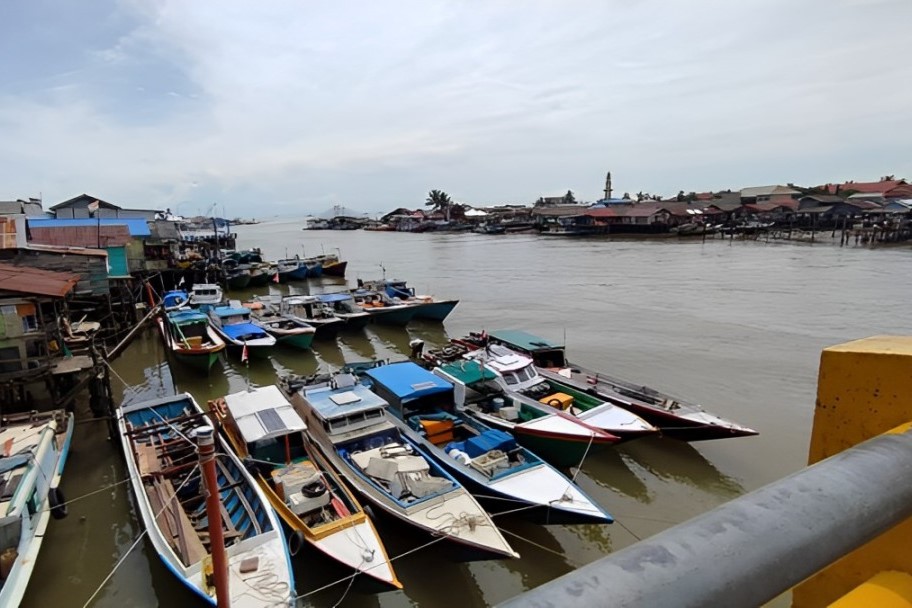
755,547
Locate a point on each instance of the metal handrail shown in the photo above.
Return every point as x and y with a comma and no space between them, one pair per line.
757,546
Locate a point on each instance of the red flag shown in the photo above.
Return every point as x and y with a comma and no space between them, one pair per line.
244,354
275,277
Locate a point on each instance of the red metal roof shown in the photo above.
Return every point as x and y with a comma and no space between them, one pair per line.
602,212
27,280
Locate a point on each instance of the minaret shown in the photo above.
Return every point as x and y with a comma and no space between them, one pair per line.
608,186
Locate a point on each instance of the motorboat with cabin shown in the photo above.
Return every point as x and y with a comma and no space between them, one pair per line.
350,425
303,488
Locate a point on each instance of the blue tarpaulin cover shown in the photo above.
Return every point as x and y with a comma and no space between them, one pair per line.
485,442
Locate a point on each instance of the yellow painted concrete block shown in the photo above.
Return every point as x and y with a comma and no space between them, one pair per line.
864,389
884,590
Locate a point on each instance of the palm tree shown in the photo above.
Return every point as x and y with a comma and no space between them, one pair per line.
440,201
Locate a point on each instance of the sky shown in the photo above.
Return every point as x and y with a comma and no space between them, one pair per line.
289,107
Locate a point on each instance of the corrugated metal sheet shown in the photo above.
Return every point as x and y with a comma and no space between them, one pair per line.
29,280
137,227
81,236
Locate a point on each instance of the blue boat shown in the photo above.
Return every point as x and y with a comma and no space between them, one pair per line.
351,427
169,493
233,324
314,268
487,461
175,299
291,269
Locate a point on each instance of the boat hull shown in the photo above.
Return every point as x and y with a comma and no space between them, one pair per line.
238,281
298,274
260,279
199,361
301,340
356,322
392,316
335,269
435,311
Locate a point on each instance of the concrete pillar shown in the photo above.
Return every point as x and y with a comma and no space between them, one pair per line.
864,389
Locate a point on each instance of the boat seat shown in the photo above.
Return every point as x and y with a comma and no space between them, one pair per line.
343,381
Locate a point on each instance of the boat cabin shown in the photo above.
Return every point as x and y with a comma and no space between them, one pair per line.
305,307
513,371
346,407
410,388
543,352
205,294
340,303
273,432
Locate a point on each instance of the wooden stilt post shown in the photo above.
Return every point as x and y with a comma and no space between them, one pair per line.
206,442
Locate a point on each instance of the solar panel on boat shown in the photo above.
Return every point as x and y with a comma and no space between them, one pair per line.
271,420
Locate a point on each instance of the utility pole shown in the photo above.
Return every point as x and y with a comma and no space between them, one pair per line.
206,442
608,186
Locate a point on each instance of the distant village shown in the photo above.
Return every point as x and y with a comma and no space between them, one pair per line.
871,211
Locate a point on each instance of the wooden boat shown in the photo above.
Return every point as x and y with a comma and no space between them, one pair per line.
205,295
291,269
285,329
673,417
302,487
168,489
190,338
233,324
29,492
488,462
332,265
309,309
314,267
515,374
350,425
554,435
382,309
344,307
428,307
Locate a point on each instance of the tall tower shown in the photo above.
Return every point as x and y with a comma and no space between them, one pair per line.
608,186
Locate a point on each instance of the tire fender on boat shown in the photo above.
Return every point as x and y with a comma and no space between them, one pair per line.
58,503
295,542
555,403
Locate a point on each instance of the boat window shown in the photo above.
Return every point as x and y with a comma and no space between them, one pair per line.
34,502
510,378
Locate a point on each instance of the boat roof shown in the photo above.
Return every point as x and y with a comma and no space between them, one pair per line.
407,380
334,297
467,372
524,340
206,286
243,330
263,413
300,299
500,358
231,311
185,317
331,403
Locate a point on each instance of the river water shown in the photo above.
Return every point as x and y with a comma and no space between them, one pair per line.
736,326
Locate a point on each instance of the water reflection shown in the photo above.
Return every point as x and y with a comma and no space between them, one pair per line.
608,469
675,460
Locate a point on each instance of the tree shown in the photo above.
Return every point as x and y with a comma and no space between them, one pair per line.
887,178
626,196
569,199
439,201
680,196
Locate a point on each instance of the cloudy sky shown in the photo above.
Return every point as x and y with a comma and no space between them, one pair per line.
291,106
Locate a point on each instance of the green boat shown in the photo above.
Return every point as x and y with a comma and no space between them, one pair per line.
191,340
553,435
285,329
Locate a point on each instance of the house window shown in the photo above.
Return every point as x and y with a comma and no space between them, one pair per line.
10,360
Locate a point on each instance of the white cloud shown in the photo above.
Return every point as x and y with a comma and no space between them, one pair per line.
374,104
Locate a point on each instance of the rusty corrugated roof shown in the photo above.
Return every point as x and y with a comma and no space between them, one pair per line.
27,280
80,236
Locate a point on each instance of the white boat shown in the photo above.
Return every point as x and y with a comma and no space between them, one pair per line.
350,425
205,295
310,309
304,489
36,448
234,326
487,461
167,486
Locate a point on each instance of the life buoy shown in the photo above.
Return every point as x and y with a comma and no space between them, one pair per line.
295,542
58,503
